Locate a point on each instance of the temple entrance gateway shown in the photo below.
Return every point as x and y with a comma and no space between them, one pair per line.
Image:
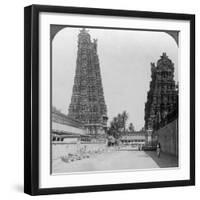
87,101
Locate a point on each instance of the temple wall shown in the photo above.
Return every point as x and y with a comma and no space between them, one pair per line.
63,150
168,138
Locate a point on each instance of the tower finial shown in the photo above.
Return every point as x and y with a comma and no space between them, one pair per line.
83,30
164,55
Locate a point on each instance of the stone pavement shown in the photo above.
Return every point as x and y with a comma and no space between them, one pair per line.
116,160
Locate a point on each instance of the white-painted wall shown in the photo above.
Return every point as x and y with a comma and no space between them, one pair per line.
63,149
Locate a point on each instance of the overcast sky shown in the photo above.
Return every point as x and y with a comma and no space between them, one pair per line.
125,58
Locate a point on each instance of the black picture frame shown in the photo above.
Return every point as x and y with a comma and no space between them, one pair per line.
31,98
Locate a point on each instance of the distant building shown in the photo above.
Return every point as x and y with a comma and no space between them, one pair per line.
162,98
133,138
87,101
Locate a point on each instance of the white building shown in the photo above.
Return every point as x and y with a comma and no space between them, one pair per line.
133,138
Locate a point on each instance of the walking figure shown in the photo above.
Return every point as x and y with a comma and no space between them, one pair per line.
158,148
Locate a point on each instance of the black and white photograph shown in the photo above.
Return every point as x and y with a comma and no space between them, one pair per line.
114,99
99,100
109,100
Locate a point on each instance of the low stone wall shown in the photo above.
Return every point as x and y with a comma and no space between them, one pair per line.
168,138
63,150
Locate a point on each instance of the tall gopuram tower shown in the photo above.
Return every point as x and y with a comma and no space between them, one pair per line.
162,99
87,101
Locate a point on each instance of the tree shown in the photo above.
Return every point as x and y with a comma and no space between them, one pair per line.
131,128
124,117
118,125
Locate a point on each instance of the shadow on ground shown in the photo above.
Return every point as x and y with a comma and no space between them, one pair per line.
165,160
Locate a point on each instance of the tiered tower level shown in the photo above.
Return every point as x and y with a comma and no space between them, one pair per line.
162,98
87,101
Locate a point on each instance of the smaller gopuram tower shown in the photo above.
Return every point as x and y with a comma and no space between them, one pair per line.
87,101
162,98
